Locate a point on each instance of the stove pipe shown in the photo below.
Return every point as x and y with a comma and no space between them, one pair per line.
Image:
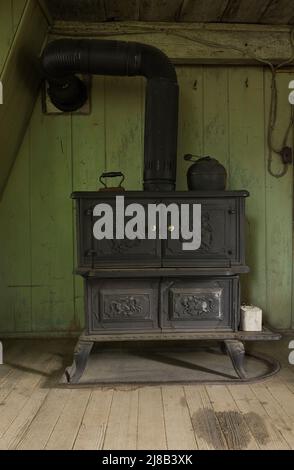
63,59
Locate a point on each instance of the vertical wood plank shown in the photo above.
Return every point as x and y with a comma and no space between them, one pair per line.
279,215
52,222
216,114
190,119
6,29
21,82
244,11
247,170
88,141
278,12
89,162
15,247
91,10
17,11
122,11
160,10
202,10
123,126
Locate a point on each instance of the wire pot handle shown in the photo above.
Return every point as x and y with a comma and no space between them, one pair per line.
193,158
112,174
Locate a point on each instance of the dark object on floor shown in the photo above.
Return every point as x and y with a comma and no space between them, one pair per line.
231,343
170,362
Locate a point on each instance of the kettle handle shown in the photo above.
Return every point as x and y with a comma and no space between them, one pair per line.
112,174
193,158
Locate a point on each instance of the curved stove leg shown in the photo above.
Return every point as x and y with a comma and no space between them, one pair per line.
74,373
236,351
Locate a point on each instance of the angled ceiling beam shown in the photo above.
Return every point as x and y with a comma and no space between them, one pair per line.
193,43
20,79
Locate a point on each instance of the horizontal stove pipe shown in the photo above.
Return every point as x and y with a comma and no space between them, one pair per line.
63,59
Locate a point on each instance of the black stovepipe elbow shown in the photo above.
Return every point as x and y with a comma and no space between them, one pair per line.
63,59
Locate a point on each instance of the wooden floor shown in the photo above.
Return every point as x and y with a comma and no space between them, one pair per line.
37,414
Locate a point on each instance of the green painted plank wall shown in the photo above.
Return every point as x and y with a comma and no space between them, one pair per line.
223,112
10,15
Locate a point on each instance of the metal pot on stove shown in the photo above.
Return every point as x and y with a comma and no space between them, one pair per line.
206,174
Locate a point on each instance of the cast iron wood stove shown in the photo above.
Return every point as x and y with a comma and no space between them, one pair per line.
151,289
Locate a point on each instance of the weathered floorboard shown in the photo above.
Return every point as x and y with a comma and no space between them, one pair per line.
36,414
178,424
233,425
69,421
42,426
94,423
209,435
151,426
262,427
121,432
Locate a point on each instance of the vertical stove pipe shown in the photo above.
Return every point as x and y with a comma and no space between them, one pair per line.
63,59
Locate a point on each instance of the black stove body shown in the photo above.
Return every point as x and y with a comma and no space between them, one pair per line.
146,289
145,285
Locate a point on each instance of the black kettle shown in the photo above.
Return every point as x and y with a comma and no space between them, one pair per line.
206,174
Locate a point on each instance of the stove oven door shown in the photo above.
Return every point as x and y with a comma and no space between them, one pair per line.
200,304
114,253
221,236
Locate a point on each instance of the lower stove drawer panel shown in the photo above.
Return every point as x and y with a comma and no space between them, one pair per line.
152,304
123,305
200,304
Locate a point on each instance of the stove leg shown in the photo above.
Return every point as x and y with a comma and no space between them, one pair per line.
74,373
236,351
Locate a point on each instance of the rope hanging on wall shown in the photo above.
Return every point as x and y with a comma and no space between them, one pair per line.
274,97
